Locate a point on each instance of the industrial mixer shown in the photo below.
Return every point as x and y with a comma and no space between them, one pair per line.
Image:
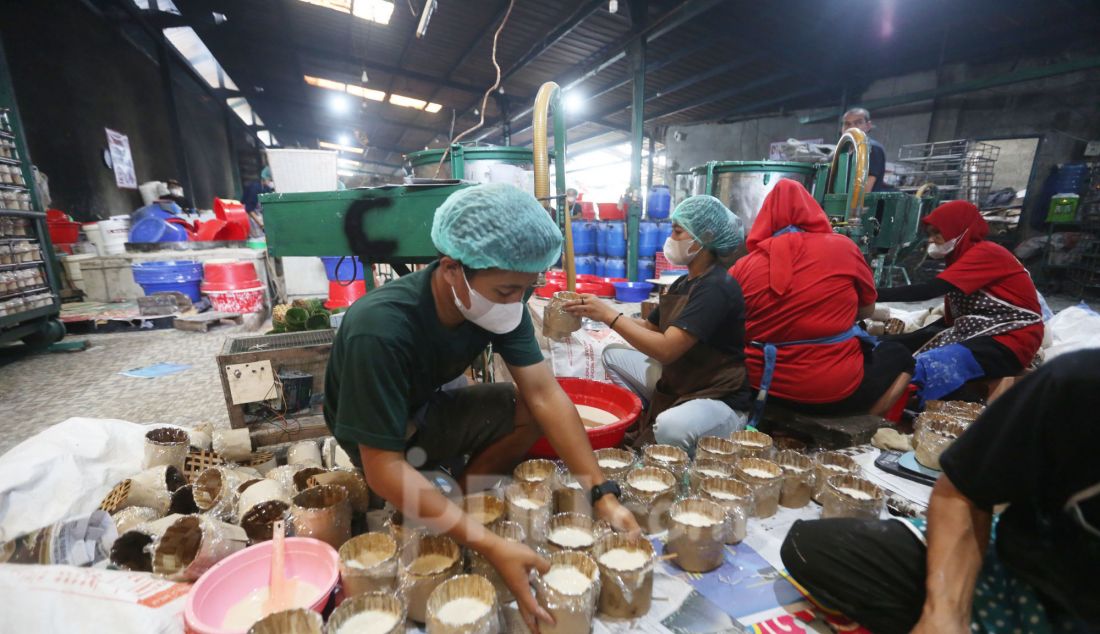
885,225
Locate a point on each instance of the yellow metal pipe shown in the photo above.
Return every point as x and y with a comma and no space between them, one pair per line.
550,93
858,140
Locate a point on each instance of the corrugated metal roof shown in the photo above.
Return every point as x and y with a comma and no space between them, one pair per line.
754,57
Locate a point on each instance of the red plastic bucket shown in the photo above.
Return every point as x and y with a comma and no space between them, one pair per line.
340,296
599,289
242,300
63,231
234,214
228,275
606,396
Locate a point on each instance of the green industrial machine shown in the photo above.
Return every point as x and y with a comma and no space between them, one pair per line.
885,225
474,163
392,224
743,185
387,225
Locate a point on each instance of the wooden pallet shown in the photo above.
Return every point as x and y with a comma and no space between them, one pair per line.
202,321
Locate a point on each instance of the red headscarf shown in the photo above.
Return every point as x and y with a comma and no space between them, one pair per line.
788,204
952,219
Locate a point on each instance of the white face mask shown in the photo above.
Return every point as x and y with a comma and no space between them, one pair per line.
494,317
940,251
679,252
176,192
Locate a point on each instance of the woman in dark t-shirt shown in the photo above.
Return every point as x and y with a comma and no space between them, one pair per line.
688,359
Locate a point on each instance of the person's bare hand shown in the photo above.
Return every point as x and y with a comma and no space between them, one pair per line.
591,307
940,623
514,561
618,516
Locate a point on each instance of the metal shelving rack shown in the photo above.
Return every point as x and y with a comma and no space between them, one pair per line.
961,169
30,311
1084,268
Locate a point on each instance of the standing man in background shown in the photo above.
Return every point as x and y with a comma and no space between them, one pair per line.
861,118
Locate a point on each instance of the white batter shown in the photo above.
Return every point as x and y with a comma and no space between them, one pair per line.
567,580
725,495
611,463
649,485
755,444
430,564
251,608
462,611
366,560
595,417
855,494
711,473
571,537
573,484
623,559
369,622
664,458
834,467
527,503
692,518
794,468
759,473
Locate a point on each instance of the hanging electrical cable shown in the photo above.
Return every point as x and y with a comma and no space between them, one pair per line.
485,97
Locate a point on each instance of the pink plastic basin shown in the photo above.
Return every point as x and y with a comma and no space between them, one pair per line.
235,577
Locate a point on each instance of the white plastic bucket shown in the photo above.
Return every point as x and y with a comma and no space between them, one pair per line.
114,231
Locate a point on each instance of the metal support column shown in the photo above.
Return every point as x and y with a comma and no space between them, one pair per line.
636,55
652,155
164,61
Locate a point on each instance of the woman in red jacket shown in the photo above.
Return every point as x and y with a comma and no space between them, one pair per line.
990,305
804,289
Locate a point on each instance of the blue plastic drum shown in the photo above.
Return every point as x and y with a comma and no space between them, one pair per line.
616,238
584,238
615,267
646,269
586,264
659,203
648,239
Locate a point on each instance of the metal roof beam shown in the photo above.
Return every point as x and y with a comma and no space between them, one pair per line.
719,96
581,14
666,23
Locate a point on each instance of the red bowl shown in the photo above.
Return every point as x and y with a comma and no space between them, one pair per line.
228,275
606,396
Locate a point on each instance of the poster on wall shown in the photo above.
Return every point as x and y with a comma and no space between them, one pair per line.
122,162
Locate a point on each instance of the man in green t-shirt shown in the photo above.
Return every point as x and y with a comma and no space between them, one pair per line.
391,395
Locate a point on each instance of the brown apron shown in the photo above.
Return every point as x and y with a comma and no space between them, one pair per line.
702,372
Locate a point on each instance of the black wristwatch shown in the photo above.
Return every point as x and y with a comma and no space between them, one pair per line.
605,487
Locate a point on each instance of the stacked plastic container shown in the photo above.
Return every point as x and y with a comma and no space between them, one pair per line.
233,286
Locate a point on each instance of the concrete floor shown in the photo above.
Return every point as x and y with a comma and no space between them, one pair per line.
40,390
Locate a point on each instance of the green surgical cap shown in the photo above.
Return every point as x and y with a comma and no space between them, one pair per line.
711,224
496,226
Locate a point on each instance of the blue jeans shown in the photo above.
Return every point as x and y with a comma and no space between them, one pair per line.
683,425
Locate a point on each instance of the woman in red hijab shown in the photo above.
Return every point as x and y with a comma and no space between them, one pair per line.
804,289
991,305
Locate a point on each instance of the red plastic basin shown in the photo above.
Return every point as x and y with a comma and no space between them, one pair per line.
606,396
228,275
599,289
340,296
548,290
